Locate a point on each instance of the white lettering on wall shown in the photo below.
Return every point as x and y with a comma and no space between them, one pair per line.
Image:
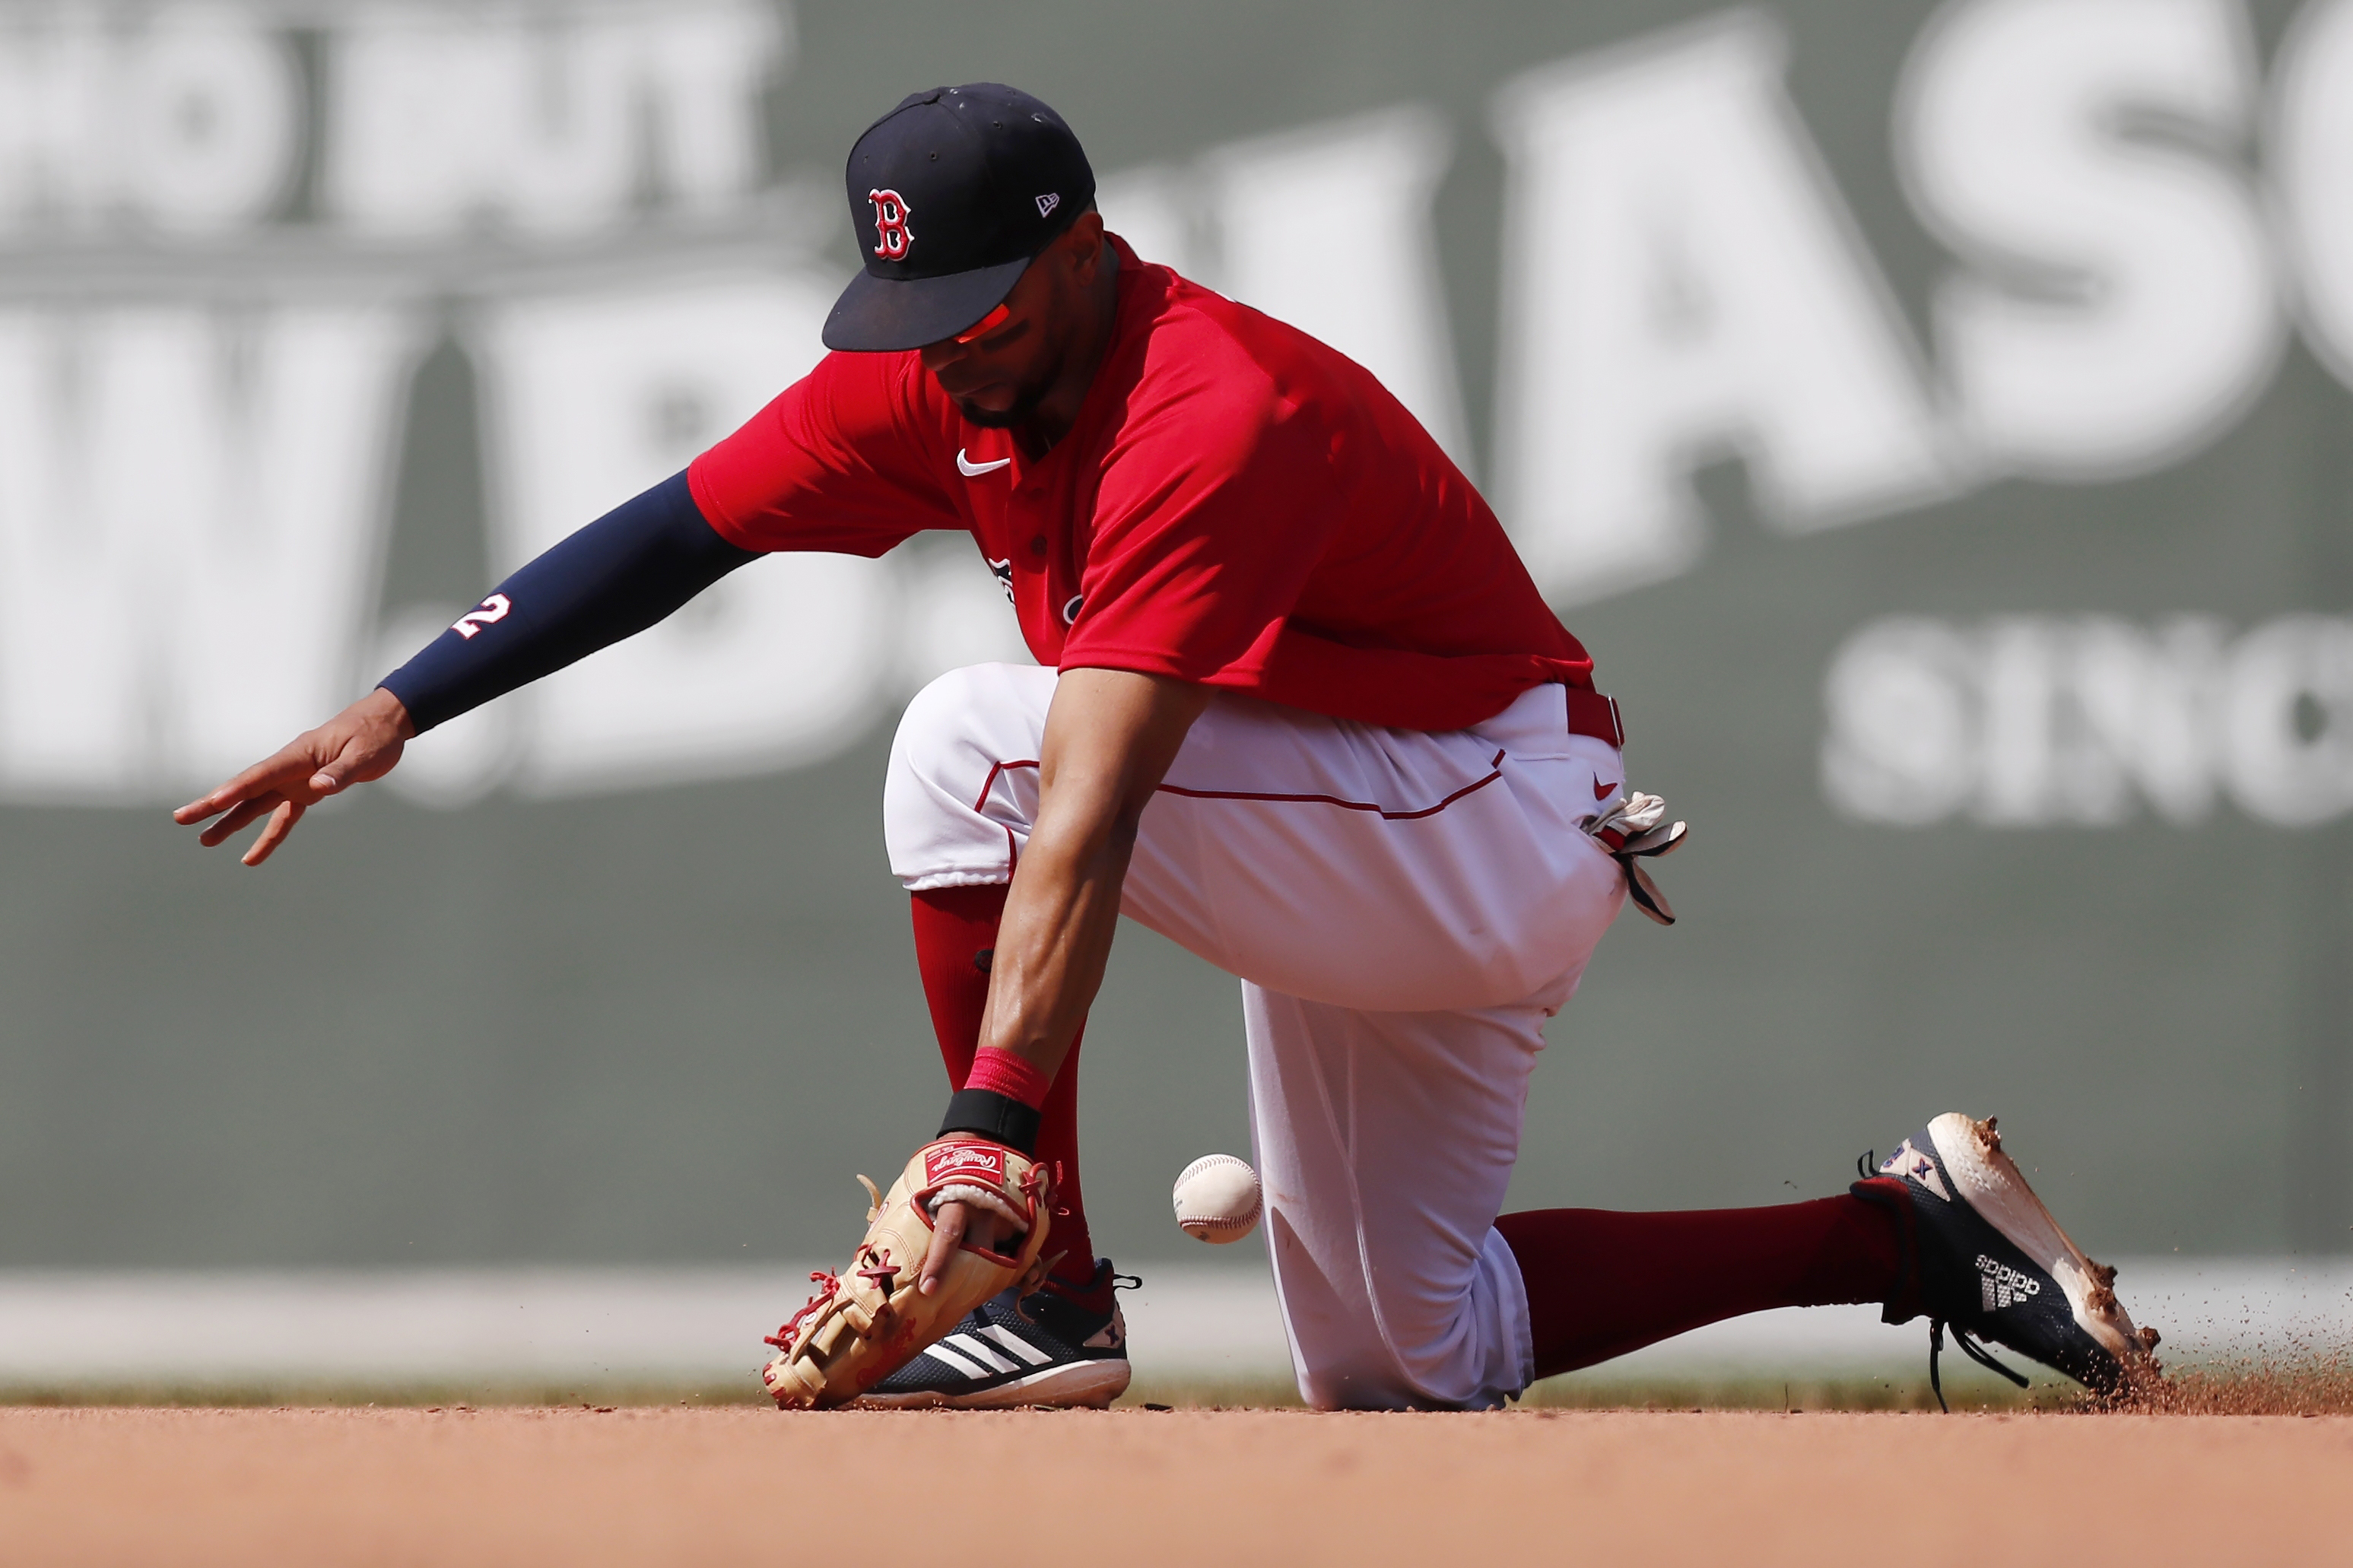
186,122
193,495
187,522
1329,229
1903,741
442,121
592,399
2116,305
2290,720
1681,282
2310,156
2037,723
75,693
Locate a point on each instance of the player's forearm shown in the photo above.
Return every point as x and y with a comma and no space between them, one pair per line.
1054,941
1110,736
613,579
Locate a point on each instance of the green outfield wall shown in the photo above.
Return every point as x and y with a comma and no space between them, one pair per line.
1935,419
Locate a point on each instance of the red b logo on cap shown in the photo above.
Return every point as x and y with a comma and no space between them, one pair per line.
891,236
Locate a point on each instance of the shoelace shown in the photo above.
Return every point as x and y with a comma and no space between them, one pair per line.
1866,1165
1118,1282
1970,1348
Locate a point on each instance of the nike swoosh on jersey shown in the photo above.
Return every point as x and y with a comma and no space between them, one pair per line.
973,470
1601,790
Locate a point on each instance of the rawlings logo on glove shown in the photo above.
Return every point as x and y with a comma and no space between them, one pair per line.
865,1323
984,1161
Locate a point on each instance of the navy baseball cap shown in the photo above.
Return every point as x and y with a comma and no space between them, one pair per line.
953,194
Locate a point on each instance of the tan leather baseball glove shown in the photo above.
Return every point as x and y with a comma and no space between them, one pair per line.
868,1321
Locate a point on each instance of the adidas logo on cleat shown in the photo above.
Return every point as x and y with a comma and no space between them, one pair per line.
2000,1285
1993,1266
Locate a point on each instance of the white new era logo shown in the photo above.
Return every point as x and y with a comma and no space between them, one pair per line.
1047,203
2000,1285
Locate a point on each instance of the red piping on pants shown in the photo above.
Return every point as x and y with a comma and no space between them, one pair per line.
1495,771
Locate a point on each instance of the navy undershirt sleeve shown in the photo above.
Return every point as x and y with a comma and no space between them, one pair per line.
611,580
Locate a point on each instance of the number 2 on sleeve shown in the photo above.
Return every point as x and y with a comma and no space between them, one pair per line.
494,609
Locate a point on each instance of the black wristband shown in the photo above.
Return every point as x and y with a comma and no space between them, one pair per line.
998,1117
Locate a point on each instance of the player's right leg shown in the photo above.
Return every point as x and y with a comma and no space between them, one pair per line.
1067,1344
955,944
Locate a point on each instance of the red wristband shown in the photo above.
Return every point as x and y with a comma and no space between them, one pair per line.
1002,1072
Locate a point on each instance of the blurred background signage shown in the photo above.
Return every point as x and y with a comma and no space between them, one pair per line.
1933,417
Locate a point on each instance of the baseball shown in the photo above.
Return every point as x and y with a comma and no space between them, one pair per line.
1217,1199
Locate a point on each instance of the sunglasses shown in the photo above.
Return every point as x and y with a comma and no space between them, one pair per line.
985,326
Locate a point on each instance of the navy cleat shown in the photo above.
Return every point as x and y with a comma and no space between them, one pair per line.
1041,1348
1991,1263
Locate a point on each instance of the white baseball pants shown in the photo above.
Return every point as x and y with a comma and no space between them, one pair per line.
1405,910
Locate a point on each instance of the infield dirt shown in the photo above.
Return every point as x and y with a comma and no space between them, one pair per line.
687,1486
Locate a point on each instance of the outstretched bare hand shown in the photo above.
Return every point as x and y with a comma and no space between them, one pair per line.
360,744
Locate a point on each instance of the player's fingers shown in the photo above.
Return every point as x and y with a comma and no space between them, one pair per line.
221,799
270,774
222,796
947,1234
244,811
281,822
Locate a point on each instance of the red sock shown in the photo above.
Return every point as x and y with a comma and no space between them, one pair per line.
1600,1284
956,930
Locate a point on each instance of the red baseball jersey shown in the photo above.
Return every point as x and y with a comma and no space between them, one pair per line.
1237,505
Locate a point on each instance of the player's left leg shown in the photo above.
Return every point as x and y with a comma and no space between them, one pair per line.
1385,1141
1601,1283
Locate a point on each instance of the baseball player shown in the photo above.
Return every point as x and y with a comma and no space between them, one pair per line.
1297,706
